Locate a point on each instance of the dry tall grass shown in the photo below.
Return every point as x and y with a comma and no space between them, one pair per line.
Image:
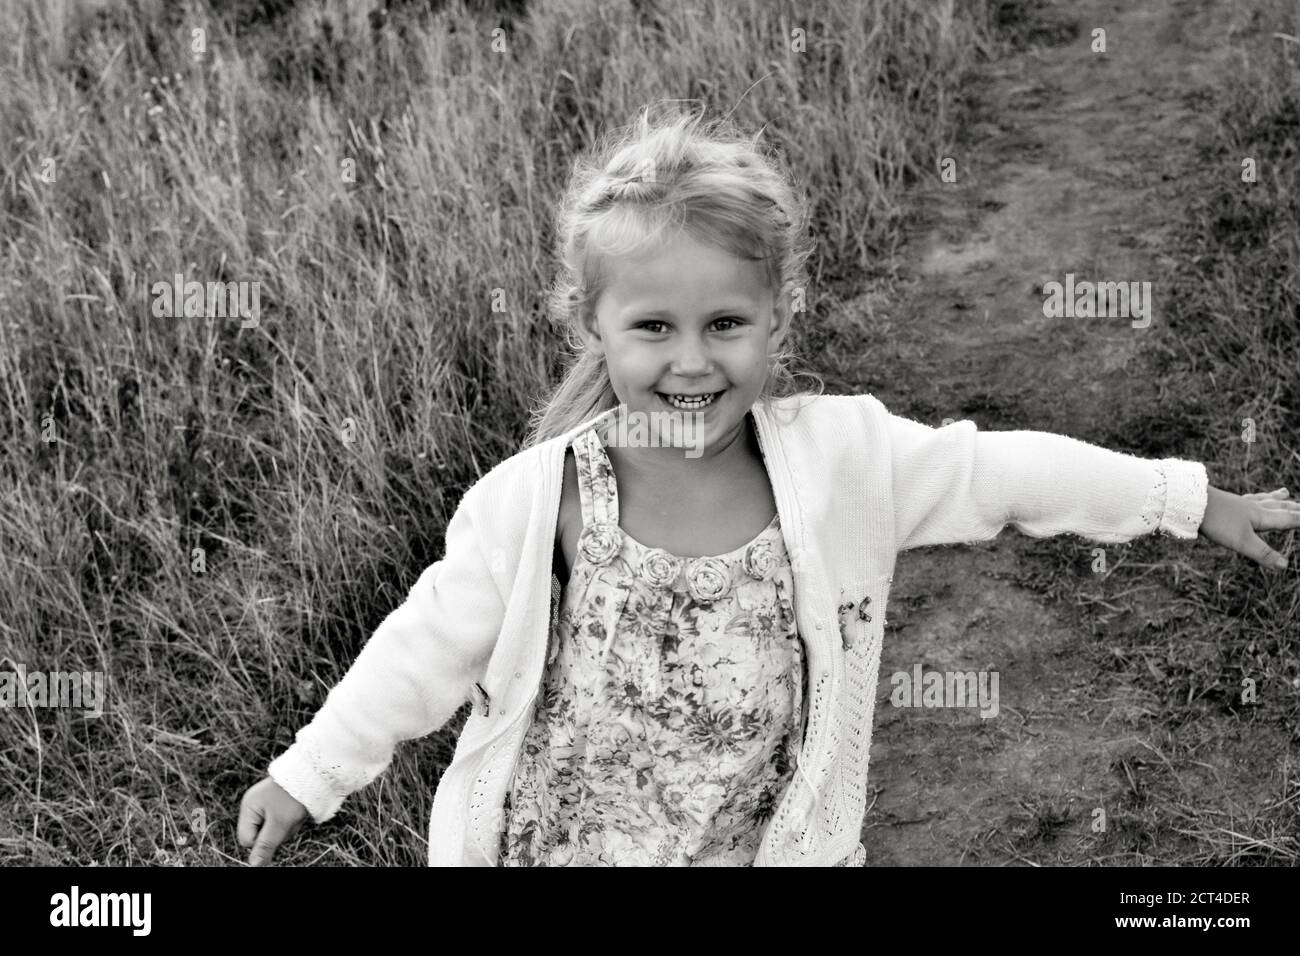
129,440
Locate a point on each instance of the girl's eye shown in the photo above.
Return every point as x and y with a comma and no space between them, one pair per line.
732,319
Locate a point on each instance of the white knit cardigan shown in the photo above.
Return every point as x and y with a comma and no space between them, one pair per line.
854,485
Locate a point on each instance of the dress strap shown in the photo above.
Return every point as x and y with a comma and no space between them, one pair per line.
595,480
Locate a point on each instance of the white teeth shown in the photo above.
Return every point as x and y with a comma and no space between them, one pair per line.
688,403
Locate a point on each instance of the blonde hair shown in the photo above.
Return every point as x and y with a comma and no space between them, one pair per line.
641,183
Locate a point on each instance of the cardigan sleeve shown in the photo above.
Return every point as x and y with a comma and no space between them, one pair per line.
410,678
958,484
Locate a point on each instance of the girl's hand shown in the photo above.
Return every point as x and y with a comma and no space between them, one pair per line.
267,816
1232,520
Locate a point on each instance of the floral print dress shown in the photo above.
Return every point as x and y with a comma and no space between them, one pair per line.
670,716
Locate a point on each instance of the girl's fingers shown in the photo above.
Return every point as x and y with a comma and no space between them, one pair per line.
1276,518
250,821
1257,550
1278,495
272,834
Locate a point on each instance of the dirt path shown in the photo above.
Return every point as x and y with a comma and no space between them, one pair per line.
1073,166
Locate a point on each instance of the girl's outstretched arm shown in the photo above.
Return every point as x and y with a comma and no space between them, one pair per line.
957,484
410,678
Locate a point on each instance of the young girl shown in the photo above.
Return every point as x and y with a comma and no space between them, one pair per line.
668,608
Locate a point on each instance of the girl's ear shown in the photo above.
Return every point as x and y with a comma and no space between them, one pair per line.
589,330
782,317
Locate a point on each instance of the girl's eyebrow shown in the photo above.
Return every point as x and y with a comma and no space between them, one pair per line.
636,314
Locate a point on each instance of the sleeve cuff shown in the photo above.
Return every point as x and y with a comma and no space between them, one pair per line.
1186,494
297,774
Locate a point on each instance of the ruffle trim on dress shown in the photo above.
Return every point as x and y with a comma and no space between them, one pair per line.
706,578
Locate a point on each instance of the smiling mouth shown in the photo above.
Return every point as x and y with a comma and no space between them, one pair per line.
690,403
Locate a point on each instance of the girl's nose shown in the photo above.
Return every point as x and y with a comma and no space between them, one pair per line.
692,358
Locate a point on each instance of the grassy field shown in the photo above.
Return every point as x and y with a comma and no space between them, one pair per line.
314,459
216,517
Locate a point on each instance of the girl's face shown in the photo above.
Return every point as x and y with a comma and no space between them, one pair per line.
688,318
